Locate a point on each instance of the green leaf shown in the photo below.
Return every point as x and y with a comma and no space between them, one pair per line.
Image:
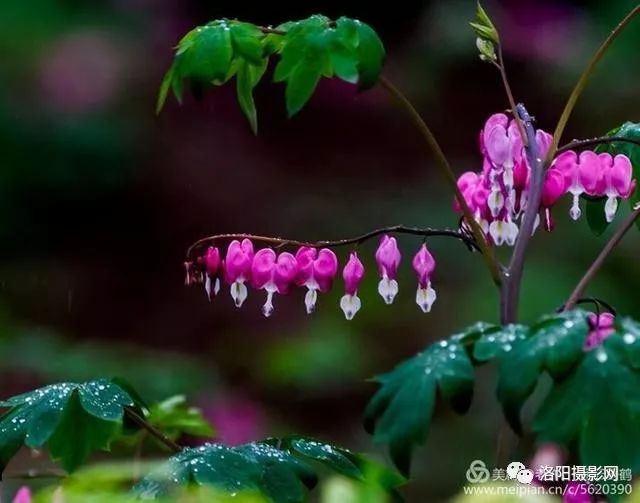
164,89
247,42
74,419
596,217
399,414
343,461
371,55
554,345
483,26
301,83
247,77
497,342
597,408
175,418
204,56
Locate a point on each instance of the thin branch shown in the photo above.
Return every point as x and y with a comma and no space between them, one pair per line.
397,229
584,78
597,302
153,431
442,162
589,142
513,277
507,88
597,263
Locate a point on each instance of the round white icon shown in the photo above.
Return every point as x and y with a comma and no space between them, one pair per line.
525,476
513,469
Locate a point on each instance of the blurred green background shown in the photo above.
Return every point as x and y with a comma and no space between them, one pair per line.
99,199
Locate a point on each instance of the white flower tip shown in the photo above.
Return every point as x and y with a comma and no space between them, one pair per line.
350,305
575,211
310,300
207,287
425,297
239,293
388,289
610,209
267,309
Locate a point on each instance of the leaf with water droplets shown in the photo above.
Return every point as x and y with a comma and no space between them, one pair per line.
252,467
399,414
554,345
596,407
74,419
498,341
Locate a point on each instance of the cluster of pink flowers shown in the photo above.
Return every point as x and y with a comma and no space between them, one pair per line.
498,195
310,268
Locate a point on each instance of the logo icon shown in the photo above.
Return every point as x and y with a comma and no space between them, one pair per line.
478,472
525,476
513,469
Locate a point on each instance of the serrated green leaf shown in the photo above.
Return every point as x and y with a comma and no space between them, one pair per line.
247,77
207,55
302,82
164,89
371,55
483,20
339,460
554,344
247,42
596,407
596,218
498,342
74,419
250,467
174,417
399,414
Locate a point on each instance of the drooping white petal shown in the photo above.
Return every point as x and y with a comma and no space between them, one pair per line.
310,300
575,211
388,289
425,297
238,293
510,233
350,305
507,176
267,308
610,208
496,231
207,287
495,202
536,224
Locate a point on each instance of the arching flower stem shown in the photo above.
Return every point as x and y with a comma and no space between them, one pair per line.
468,240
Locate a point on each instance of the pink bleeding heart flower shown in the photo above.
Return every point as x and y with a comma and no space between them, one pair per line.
567,164
600,327
273,273
237,269
388,259
618,182
23,495
424,265
553,189
316,270
352,274
212,265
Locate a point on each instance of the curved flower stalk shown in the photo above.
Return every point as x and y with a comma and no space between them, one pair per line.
314,267
498,195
